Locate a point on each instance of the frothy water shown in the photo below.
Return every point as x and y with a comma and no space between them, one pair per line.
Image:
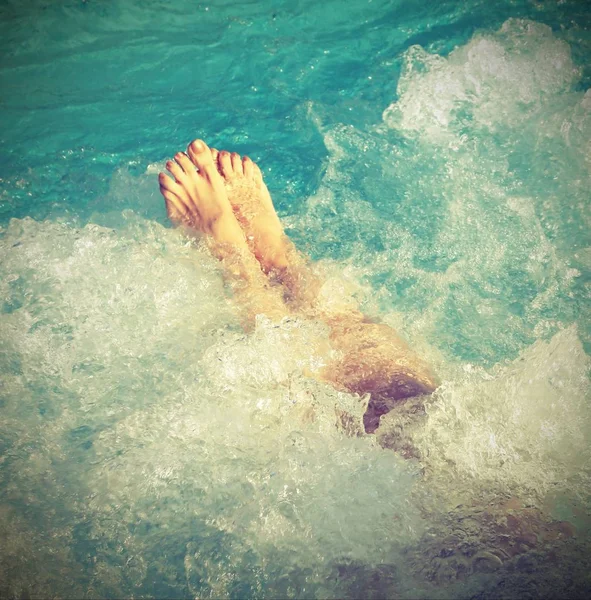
132,384
151,447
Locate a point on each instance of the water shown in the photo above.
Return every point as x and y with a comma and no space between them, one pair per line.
435,161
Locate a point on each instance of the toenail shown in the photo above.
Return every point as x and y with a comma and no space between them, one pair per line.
198,146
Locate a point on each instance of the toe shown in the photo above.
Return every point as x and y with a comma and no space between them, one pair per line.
215,156
175,170
225,162
175,206
247,167
169,185
257,175
173,212
183,160
166,182
201,157
237,163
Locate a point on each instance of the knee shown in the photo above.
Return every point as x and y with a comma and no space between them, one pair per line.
388,373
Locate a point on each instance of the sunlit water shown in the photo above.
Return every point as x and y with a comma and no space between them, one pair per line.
437,164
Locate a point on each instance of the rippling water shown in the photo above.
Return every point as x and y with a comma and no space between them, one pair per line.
436,161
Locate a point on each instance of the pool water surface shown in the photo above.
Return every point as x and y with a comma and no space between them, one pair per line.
435,163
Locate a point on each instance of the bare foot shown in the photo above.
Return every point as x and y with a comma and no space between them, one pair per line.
198,197
253,207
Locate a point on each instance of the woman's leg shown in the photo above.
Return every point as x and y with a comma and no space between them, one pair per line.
376,361
372,358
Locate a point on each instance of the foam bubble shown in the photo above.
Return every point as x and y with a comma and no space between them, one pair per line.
131,391
494,81
522,427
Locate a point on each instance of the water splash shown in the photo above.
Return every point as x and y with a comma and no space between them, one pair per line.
151,447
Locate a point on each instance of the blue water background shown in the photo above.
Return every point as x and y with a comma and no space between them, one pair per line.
89,86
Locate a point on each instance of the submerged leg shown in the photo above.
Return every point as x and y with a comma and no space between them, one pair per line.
376,361
373,358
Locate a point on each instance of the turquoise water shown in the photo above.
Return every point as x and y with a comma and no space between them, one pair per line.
435,161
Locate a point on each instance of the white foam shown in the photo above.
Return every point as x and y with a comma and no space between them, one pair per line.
496,80
129,340
522,426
